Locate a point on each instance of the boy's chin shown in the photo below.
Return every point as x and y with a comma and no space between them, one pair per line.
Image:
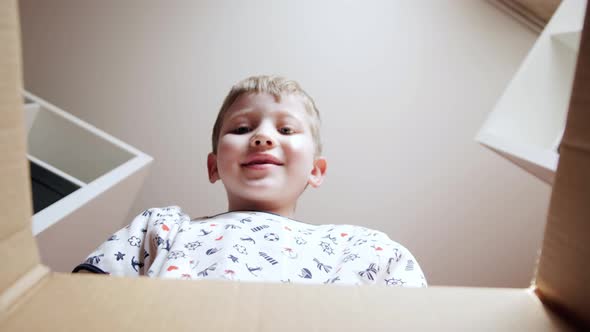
261,194
265,195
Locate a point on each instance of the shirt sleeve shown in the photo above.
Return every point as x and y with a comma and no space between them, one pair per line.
132,250
397,265
402,269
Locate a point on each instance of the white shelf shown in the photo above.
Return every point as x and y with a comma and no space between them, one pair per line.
541,163
570,39
108,171
527,123
56,171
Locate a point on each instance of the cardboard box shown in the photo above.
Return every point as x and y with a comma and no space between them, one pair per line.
36,299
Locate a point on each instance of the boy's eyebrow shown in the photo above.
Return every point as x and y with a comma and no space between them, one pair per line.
237,113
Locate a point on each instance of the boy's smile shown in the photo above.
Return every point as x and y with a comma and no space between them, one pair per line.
261,161
265,153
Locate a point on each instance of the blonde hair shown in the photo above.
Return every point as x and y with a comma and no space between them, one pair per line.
276,86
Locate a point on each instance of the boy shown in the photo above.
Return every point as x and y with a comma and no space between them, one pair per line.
266,151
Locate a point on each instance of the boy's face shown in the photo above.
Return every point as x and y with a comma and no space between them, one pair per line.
265,153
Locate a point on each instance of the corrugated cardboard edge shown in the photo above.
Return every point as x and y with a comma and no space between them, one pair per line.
18,290
98,303
18,253
563,273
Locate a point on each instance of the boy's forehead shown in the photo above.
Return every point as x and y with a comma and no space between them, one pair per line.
291,104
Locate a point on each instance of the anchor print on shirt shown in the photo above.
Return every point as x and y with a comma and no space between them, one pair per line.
135,264
205,272
159,240
204,232
253,269
94,259
248,239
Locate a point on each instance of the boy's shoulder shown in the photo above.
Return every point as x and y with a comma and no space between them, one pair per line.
171,211
176,213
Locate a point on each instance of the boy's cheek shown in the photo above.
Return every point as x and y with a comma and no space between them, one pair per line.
300,144
228,149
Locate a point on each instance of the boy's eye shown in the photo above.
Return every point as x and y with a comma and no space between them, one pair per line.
241,130
286,130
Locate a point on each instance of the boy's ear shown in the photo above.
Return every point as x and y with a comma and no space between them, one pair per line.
212,167
318,172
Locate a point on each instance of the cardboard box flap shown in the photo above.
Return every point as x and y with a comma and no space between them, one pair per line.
98,303
563,277
18,251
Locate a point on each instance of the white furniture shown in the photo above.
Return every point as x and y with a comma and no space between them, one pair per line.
107,171
527,123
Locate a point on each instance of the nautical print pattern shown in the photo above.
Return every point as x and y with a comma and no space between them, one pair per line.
252,245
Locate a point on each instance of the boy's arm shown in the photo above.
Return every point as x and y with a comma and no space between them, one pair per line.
131,250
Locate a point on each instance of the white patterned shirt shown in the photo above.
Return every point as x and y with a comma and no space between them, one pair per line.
253,246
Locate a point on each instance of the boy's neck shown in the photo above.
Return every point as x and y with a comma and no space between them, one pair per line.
285,211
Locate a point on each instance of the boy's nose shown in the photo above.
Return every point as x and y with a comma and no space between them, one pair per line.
261,141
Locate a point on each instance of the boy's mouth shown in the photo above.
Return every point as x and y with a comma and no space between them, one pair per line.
259,160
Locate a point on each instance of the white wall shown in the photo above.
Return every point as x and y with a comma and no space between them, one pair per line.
402,86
